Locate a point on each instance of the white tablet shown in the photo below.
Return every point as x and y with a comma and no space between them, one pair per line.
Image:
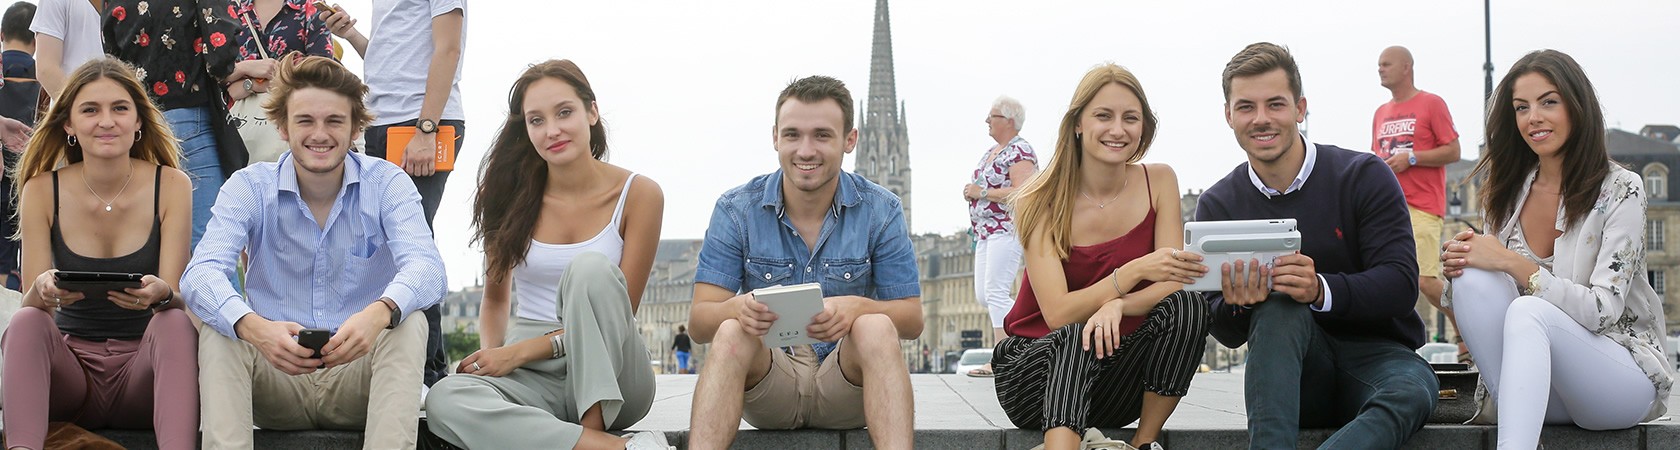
1229,241
794,307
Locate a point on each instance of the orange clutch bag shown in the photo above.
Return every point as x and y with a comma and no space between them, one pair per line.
396,142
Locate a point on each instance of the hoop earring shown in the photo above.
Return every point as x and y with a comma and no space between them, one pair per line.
73,142
137,135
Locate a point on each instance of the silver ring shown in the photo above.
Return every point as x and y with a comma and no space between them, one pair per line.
1175,254
475,367
1096,326
57,301
137,302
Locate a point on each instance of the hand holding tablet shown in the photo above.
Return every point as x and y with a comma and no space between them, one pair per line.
1240,243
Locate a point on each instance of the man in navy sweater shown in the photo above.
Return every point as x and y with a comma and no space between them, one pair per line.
1331,331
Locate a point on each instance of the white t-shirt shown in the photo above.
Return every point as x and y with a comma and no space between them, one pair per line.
398,54
77,24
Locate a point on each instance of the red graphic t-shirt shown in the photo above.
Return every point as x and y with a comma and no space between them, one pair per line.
1417,125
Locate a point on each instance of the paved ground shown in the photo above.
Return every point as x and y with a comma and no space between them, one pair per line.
959,402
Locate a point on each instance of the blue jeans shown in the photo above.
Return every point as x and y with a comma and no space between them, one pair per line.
1378,391
199,159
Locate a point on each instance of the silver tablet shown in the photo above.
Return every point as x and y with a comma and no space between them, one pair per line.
1229,241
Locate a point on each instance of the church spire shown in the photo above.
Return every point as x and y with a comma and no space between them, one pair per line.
884,141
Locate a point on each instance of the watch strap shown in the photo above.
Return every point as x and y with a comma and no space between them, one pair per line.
396,313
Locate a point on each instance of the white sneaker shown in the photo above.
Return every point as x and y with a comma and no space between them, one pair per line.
647,440
1094,440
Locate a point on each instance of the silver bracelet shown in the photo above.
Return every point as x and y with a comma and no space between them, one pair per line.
557,347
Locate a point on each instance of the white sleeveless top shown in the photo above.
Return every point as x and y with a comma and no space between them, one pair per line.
536,282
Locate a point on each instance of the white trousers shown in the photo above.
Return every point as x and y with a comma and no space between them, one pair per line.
997,260
1541,366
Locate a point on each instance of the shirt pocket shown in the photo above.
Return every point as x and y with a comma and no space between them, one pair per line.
766,272
846,277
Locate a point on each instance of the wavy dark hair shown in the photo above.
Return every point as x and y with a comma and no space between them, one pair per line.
513,175
1586,157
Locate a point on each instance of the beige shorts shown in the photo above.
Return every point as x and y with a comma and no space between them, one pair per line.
800,392
1426,230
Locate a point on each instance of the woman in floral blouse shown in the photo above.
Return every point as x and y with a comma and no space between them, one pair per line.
284,26
1562,277
997,253
182,51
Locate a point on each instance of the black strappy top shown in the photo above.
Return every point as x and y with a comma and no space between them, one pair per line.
98,318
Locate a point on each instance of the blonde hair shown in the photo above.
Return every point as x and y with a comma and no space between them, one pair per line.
50,147
1044,205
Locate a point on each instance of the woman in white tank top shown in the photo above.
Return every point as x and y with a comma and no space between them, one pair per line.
573,237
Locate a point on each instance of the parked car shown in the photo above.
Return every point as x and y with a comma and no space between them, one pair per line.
974,358
1439,352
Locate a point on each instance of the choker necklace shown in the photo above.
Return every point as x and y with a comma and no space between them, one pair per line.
1104,205
119,191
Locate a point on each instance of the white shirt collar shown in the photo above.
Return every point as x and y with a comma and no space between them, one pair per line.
1300,178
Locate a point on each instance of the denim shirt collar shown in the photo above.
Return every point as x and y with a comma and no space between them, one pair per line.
845,196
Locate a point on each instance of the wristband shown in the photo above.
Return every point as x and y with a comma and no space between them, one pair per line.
557,347
1117,290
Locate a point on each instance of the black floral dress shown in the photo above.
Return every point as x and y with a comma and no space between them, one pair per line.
179,47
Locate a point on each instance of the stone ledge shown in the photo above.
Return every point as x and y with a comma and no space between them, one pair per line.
1647,436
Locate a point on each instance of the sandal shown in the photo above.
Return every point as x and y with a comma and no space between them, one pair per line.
982,372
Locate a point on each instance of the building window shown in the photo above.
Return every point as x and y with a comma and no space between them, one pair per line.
1656,180
1657,282
1654,235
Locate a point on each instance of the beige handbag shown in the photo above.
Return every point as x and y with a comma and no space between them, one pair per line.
262,139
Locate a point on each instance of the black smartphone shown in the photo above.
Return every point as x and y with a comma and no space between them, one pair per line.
94,285
314,339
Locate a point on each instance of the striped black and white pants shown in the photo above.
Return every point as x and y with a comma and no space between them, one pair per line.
1052,382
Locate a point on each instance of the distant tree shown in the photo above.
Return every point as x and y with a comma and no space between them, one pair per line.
459,343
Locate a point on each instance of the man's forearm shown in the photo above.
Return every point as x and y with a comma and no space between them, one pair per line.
445,58
705,317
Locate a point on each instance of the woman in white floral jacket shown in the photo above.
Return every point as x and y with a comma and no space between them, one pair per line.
1555,305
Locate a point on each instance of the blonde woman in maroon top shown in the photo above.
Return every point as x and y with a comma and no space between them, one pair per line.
1102,335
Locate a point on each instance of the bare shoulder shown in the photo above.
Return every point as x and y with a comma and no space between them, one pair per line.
174,179
643,189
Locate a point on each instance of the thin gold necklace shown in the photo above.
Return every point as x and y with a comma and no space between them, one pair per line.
1104,205
127,179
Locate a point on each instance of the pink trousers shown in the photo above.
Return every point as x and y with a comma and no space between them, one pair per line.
151,383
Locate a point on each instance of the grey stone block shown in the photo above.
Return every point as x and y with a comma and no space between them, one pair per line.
803,439
935,439
1205,438
1662,435
1464,437
264,439
1568,436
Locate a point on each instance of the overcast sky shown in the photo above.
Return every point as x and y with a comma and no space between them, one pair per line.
688,88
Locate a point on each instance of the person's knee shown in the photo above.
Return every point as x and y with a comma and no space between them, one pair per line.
29,321
591,266
1278,308
875,331
733,345
1528,310
173,320
408,337
445,400
1411,393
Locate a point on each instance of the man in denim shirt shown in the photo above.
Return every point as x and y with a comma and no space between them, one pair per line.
808,222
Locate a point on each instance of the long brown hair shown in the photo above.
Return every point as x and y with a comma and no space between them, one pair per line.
1586,157
1044,205
510,185
50,146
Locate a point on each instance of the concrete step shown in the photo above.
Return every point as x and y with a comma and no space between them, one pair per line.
1466,437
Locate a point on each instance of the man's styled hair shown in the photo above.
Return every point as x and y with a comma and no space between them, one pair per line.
15,25
814,89
1259,58
319,72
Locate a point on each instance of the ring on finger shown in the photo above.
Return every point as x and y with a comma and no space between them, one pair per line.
475,367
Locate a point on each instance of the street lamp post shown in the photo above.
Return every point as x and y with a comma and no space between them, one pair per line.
1487,65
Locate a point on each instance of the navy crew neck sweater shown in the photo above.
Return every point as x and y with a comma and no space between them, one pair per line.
1354,225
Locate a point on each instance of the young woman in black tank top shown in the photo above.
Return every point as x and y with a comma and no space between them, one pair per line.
117,359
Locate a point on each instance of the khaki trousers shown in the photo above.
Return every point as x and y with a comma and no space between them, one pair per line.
540,404
378,393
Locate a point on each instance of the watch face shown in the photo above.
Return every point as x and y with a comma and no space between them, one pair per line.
427,126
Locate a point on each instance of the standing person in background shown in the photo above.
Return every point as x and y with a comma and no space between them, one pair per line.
66,35
997,252
181,51
19,96
1414,134
408,35
681,346
270,29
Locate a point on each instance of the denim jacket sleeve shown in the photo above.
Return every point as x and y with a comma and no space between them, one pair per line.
723,249
895,272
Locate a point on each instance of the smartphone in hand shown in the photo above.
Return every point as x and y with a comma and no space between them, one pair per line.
314,339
